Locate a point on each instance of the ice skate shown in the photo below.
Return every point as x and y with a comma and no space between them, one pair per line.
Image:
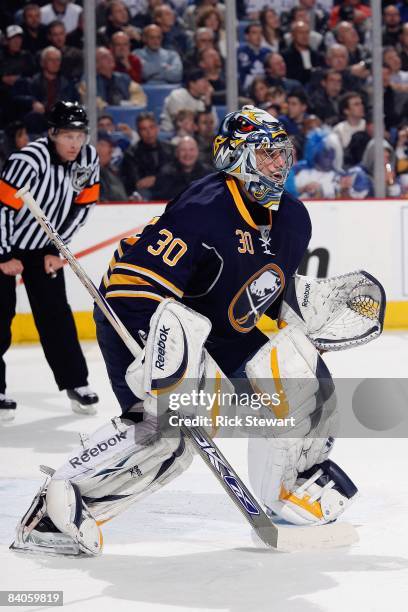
83,400
7,408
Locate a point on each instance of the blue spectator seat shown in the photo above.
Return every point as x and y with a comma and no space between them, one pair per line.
167,136
124,114
156,94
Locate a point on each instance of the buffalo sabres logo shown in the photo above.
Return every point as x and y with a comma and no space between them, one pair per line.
255,297
80,176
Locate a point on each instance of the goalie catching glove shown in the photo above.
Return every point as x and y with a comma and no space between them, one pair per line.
335,313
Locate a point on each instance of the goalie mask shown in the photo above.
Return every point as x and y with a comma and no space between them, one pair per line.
254,148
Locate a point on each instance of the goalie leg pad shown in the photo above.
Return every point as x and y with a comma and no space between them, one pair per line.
121,462
289,367
279,463
98,482
139,481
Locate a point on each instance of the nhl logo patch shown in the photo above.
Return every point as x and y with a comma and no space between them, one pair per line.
80,177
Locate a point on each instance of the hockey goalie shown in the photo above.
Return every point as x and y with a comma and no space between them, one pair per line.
191,289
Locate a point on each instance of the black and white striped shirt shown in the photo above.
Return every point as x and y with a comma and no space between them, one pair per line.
64,191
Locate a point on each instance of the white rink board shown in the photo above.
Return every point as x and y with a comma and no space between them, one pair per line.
104,223
366,235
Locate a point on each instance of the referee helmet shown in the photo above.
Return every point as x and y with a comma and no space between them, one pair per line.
68,116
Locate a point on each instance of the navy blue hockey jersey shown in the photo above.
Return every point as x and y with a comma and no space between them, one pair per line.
207,251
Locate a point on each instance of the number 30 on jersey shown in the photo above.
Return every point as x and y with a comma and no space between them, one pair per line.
171,249
245,242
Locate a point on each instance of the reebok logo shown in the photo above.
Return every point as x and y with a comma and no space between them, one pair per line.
161,347
96,450
306,295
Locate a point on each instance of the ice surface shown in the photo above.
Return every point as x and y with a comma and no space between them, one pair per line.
186,547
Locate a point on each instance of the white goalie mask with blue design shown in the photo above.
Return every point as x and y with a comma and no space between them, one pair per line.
254,148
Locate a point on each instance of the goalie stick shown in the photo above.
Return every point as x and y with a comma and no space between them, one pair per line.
277,537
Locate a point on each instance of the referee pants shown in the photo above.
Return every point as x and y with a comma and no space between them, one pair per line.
53,319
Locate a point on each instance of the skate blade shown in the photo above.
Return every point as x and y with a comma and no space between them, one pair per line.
7,415
32,549
81,409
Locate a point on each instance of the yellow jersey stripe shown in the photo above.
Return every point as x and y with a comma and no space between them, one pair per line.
127,279
112,262
133,294
239,203
131,240
236,196
153,275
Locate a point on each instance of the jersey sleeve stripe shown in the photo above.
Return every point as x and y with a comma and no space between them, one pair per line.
89,195
113,261
127,279
119,293
152,275
132,240
7,193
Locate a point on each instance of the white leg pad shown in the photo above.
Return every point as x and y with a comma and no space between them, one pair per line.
121,463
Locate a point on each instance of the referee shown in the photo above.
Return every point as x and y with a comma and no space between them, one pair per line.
62,171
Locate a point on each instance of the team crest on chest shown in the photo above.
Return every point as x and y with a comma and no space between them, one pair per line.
80,176
255,297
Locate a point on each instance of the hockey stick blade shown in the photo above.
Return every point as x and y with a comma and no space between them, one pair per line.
278,537
318,537
274,536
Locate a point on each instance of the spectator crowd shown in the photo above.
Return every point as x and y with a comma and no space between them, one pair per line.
307,62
